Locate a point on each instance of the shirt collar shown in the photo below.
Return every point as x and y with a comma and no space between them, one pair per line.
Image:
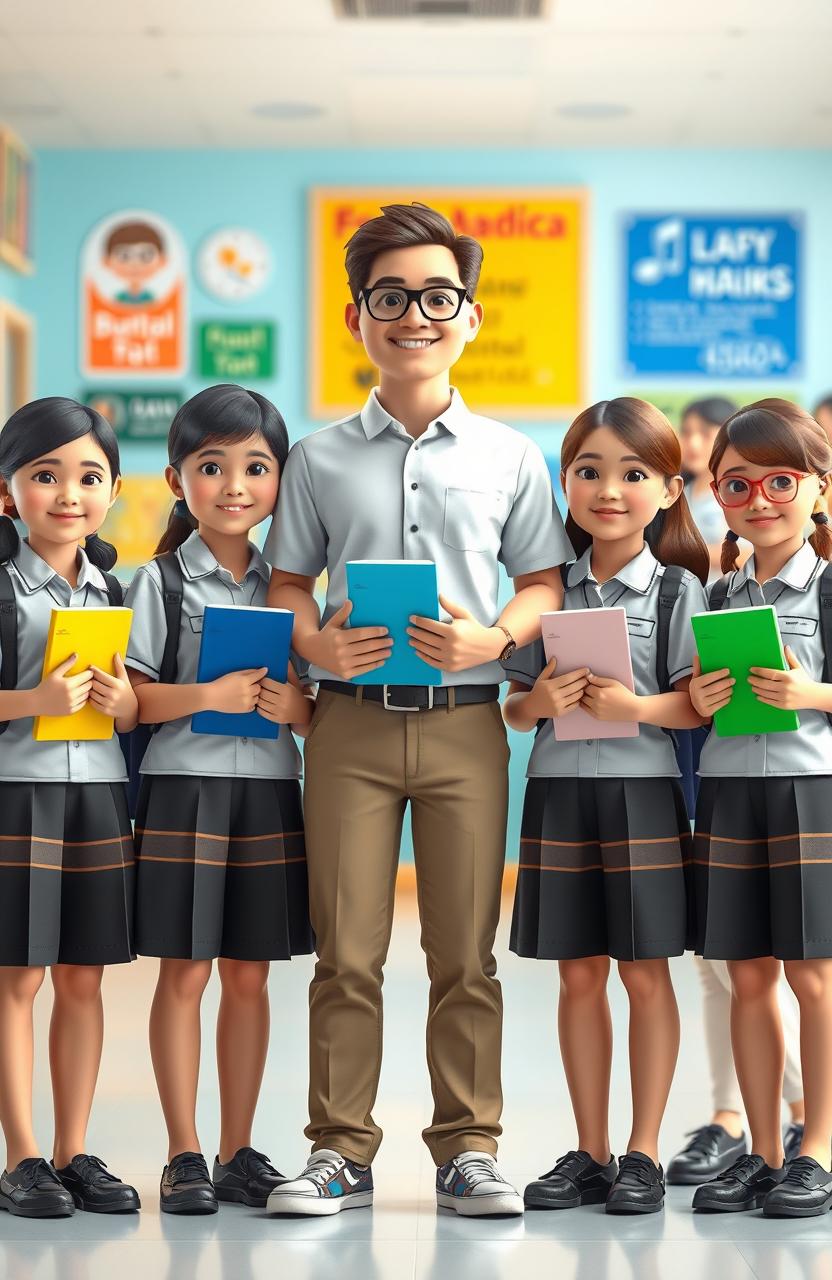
35,572
637,574
797,573
375,418
198,560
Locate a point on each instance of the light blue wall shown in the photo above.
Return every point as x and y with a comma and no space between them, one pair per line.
266,191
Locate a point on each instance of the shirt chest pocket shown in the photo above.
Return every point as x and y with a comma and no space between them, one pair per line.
474,519
802,635
641,628
196,623
794,626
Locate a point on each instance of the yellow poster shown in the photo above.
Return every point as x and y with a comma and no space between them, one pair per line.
528,360
138,519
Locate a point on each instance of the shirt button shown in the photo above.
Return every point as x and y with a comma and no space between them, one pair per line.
589,741
414,528
416,447
414,485
244,739
76,744
757,737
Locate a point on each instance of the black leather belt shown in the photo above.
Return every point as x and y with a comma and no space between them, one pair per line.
415,697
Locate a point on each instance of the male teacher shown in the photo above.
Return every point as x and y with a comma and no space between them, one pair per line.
413,475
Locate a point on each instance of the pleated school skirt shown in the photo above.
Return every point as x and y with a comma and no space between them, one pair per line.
604,865
763,868
66,874
221,869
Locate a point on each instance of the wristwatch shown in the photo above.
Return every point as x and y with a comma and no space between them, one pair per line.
511,645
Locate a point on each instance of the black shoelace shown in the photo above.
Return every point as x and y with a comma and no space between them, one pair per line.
259,1163
801,1172
635,1168
741,1170
94,1170
570,1166
705,1141
189,1167
37,1172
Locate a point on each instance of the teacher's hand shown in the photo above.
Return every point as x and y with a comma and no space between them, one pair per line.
456,645
348,651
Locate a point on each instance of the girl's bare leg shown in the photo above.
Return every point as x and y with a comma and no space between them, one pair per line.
18,988
654,1047
175,1041
242,1043
585,1033
759,1052
76,1036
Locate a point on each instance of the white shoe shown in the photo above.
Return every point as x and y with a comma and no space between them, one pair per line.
328,1184
472,1185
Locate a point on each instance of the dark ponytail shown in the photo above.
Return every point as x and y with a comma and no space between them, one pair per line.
36,429
226,413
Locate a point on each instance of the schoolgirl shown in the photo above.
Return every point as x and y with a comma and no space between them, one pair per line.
221,868
605,833
762,867
66,848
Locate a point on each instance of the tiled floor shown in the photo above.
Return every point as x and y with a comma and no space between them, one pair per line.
403,1236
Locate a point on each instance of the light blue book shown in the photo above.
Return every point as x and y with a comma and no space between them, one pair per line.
384,593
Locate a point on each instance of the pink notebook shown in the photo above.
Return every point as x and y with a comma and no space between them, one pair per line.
594,638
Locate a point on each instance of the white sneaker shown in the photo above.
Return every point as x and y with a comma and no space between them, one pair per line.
472,1185
328,1184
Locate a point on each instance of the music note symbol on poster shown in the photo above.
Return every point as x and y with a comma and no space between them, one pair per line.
668,258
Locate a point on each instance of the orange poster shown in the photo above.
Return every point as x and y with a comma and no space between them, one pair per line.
133,298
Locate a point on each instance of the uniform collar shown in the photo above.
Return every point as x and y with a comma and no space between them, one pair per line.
34,572
198,560
797,573
375,418
637,574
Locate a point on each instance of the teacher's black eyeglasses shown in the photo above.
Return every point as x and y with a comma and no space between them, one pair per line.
436,302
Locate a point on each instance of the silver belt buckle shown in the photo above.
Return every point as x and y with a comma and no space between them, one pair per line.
392,706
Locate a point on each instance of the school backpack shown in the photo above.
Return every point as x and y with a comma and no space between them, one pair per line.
719,595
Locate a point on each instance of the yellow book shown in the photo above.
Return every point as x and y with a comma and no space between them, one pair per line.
96,635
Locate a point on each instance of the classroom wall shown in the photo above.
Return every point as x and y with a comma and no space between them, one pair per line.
265,191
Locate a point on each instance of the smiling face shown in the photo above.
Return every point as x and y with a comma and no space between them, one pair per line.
65,495
767,523
229,486
414,348
611,492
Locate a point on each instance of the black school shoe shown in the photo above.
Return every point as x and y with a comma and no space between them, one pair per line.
34,1190
576,1179
742,1187
639,1187
711,1151
186,1186
95,1189
248,1178
805,1192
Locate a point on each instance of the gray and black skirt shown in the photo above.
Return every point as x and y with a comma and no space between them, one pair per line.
66,874
221,869
604,866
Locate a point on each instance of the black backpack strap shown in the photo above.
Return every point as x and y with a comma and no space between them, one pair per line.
171,573
564,573
8,635
826,623
115,591
669,588
719,593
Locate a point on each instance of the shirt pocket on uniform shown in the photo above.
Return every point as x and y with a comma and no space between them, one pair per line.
196,623
474,519
791,625
641,627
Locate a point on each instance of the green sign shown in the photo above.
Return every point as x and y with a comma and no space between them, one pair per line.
236,350
136,415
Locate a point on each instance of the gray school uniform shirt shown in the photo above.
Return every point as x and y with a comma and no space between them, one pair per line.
795,595
38,590
174,748
466,494
636,589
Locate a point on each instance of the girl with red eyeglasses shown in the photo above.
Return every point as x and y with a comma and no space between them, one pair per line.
763,833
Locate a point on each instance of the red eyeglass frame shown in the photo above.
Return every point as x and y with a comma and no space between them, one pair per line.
753,485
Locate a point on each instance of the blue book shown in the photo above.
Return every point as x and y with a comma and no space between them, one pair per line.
384,593
237,639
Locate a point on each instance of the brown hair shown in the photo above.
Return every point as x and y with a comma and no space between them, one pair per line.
401,226
672,536
778,433
134,233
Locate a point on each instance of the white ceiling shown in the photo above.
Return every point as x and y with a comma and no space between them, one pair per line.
108,73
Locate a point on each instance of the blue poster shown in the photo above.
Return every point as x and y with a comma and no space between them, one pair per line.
712,295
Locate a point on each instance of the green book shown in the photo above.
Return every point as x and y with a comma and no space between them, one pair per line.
740,639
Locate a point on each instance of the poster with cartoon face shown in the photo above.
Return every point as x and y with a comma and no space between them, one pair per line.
133,298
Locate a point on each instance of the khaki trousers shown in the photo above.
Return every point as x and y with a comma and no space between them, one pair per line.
363,764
